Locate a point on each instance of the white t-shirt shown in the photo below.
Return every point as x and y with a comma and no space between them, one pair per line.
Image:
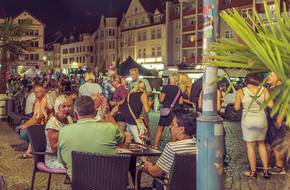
87,89
29,103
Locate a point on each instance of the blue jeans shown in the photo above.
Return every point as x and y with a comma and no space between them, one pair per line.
23,134
157,185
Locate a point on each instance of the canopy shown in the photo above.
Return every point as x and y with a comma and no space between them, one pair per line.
124,68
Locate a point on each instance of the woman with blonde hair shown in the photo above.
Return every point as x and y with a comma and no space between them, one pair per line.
89,87
171,98
60,118
129,112
185,84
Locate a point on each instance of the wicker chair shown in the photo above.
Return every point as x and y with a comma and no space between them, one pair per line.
2,183
99,172
182,176
38,142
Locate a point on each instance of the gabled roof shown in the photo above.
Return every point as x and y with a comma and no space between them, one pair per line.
26,11
152,5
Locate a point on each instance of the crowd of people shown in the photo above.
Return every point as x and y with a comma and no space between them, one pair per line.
84,114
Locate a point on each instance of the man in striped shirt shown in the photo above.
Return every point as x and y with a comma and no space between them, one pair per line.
182,129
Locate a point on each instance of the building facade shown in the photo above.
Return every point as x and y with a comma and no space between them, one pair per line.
106,40
143,34
33,56
76,52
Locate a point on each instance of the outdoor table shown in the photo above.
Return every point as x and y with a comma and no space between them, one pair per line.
149,152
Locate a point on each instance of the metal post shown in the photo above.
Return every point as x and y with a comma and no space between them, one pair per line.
209,125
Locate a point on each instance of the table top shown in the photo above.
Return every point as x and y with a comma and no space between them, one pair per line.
146,152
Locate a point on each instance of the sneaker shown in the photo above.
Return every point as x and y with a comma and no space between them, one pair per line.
277,170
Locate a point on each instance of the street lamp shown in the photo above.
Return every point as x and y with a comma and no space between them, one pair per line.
209,125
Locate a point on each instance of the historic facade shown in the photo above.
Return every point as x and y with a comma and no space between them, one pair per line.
143,34
35,53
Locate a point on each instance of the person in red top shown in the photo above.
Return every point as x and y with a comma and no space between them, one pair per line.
120,91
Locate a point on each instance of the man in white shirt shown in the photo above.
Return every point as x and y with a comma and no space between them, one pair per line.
89,87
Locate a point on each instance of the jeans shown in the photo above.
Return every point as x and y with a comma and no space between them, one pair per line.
157,185
23,134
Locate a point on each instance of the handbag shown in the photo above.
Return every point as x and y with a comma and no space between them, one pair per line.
142,130
166,111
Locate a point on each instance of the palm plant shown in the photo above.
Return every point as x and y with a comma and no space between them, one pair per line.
11,47
265,46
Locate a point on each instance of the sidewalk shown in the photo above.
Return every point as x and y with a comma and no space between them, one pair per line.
18,172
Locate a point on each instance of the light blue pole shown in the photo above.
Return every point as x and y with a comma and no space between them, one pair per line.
209,125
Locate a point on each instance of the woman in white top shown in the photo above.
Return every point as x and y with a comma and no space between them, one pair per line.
254,121
62,108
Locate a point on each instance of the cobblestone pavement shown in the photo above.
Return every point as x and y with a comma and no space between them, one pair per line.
18,172
234,179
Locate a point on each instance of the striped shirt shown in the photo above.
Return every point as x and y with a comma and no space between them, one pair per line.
165,162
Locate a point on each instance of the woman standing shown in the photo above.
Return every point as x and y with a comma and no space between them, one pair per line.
185,84
130,110
62,108
171,97
254,121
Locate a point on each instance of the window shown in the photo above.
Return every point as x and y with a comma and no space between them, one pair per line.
130,23
177,25
84,59
157,18
64,61
176,10
31,56
139,53
64,51
136,21
77,59
71,50
144,35
113,58
143,20
84,48
71,60
36,57
178,55
245,11
111,45
230,34
78,49
34,44
36,32
88,48
153,53
177,40
139,36
153,34
144,52
92,59
111,32
91,48
159,51
159,33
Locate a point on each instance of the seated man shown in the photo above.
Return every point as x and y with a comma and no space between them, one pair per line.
182,129
87,134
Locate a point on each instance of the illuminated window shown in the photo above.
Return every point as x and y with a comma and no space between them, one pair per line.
230,34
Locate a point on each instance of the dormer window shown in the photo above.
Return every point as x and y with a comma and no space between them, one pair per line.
136,9
157,18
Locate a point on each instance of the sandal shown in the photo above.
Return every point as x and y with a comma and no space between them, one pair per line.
250,173
266,174
25,156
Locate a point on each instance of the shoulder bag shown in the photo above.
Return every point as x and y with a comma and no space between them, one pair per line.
142,130
166,111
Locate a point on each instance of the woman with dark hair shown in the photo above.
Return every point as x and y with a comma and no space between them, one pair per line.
254,121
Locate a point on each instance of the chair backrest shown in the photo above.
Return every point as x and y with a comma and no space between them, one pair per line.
2,183
183,174
9,106
92,171
38,141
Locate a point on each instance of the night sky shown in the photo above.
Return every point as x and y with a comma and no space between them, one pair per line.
64,15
